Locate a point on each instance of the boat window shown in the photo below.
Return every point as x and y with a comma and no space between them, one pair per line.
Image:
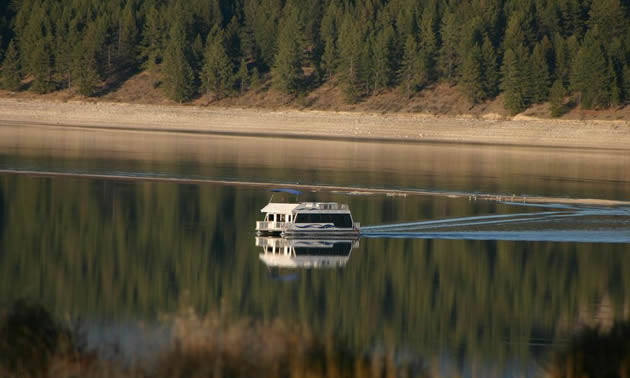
271,217
280,217
339,220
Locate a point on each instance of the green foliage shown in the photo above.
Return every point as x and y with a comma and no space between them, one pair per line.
514,83
413,71
178,74
472,79
540,77
287,74
242,76
217,72
556,99
590,77
363,43
41,68
11,72
329,59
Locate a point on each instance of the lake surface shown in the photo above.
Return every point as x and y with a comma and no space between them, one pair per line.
476,287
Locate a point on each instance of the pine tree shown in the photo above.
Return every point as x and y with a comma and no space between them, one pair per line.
286,73
329,59
472,79
609,18
254,81
41,66
540,78
383,70
615,89
556,99
84,69
515,98
625,80
178,75
411,67
197,53
243,77
590,76
127,35
152,47
491,72
449,55
217,71
351,44
11,72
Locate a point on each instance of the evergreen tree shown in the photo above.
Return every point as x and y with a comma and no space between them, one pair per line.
609,18
515,98
286,73
556,99
329,59
217,71
11,72
243,77
491,74
590,76
127,35
472,79
178,74
540,78
153,38
351,46
411,70
449,55
41,66
383,70
615,89
625,80
197,53
254,81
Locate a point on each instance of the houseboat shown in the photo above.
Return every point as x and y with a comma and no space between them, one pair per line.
307,220
305,253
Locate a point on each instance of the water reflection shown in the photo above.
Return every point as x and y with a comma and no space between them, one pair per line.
305,253
116,251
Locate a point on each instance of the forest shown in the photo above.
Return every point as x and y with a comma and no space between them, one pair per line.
527,51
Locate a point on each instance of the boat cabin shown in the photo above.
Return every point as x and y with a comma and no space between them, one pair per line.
306,217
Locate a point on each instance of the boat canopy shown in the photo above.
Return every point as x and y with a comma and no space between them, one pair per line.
286,190
279,208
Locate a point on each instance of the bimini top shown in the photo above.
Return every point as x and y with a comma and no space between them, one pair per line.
286,190
288,208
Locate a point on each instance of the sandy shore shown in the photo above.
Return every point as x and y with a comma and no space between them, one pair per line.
317,124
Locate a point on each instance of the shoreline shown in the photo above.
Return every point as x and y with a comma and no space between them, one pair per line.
316,124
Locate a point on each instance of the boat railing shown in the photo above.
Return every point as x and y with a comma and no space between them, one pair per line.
267,225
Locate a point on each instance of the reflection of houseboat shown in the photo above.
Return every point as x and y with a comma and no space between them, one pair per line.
307,219
305,253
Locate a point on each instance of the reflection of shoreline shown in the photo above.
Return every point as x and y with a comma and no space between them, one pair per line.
332,188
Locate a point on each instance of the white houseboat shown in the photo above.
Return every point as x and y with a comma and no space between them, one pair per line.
308,220
305,253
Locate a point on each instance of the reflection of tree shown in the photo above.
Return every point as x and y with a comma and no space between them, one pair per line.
594,353
130,249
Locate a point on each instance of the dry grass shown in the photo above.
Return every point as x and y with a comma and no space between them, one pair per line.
440,99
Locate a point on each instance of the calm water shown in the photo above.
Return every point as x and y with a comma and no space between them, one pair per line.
491,288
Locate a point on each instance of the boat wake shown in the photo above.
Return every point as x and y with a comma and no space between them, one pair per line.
557,223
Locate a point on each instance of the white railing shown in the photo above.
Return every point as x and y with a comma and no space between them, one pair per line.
270,226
